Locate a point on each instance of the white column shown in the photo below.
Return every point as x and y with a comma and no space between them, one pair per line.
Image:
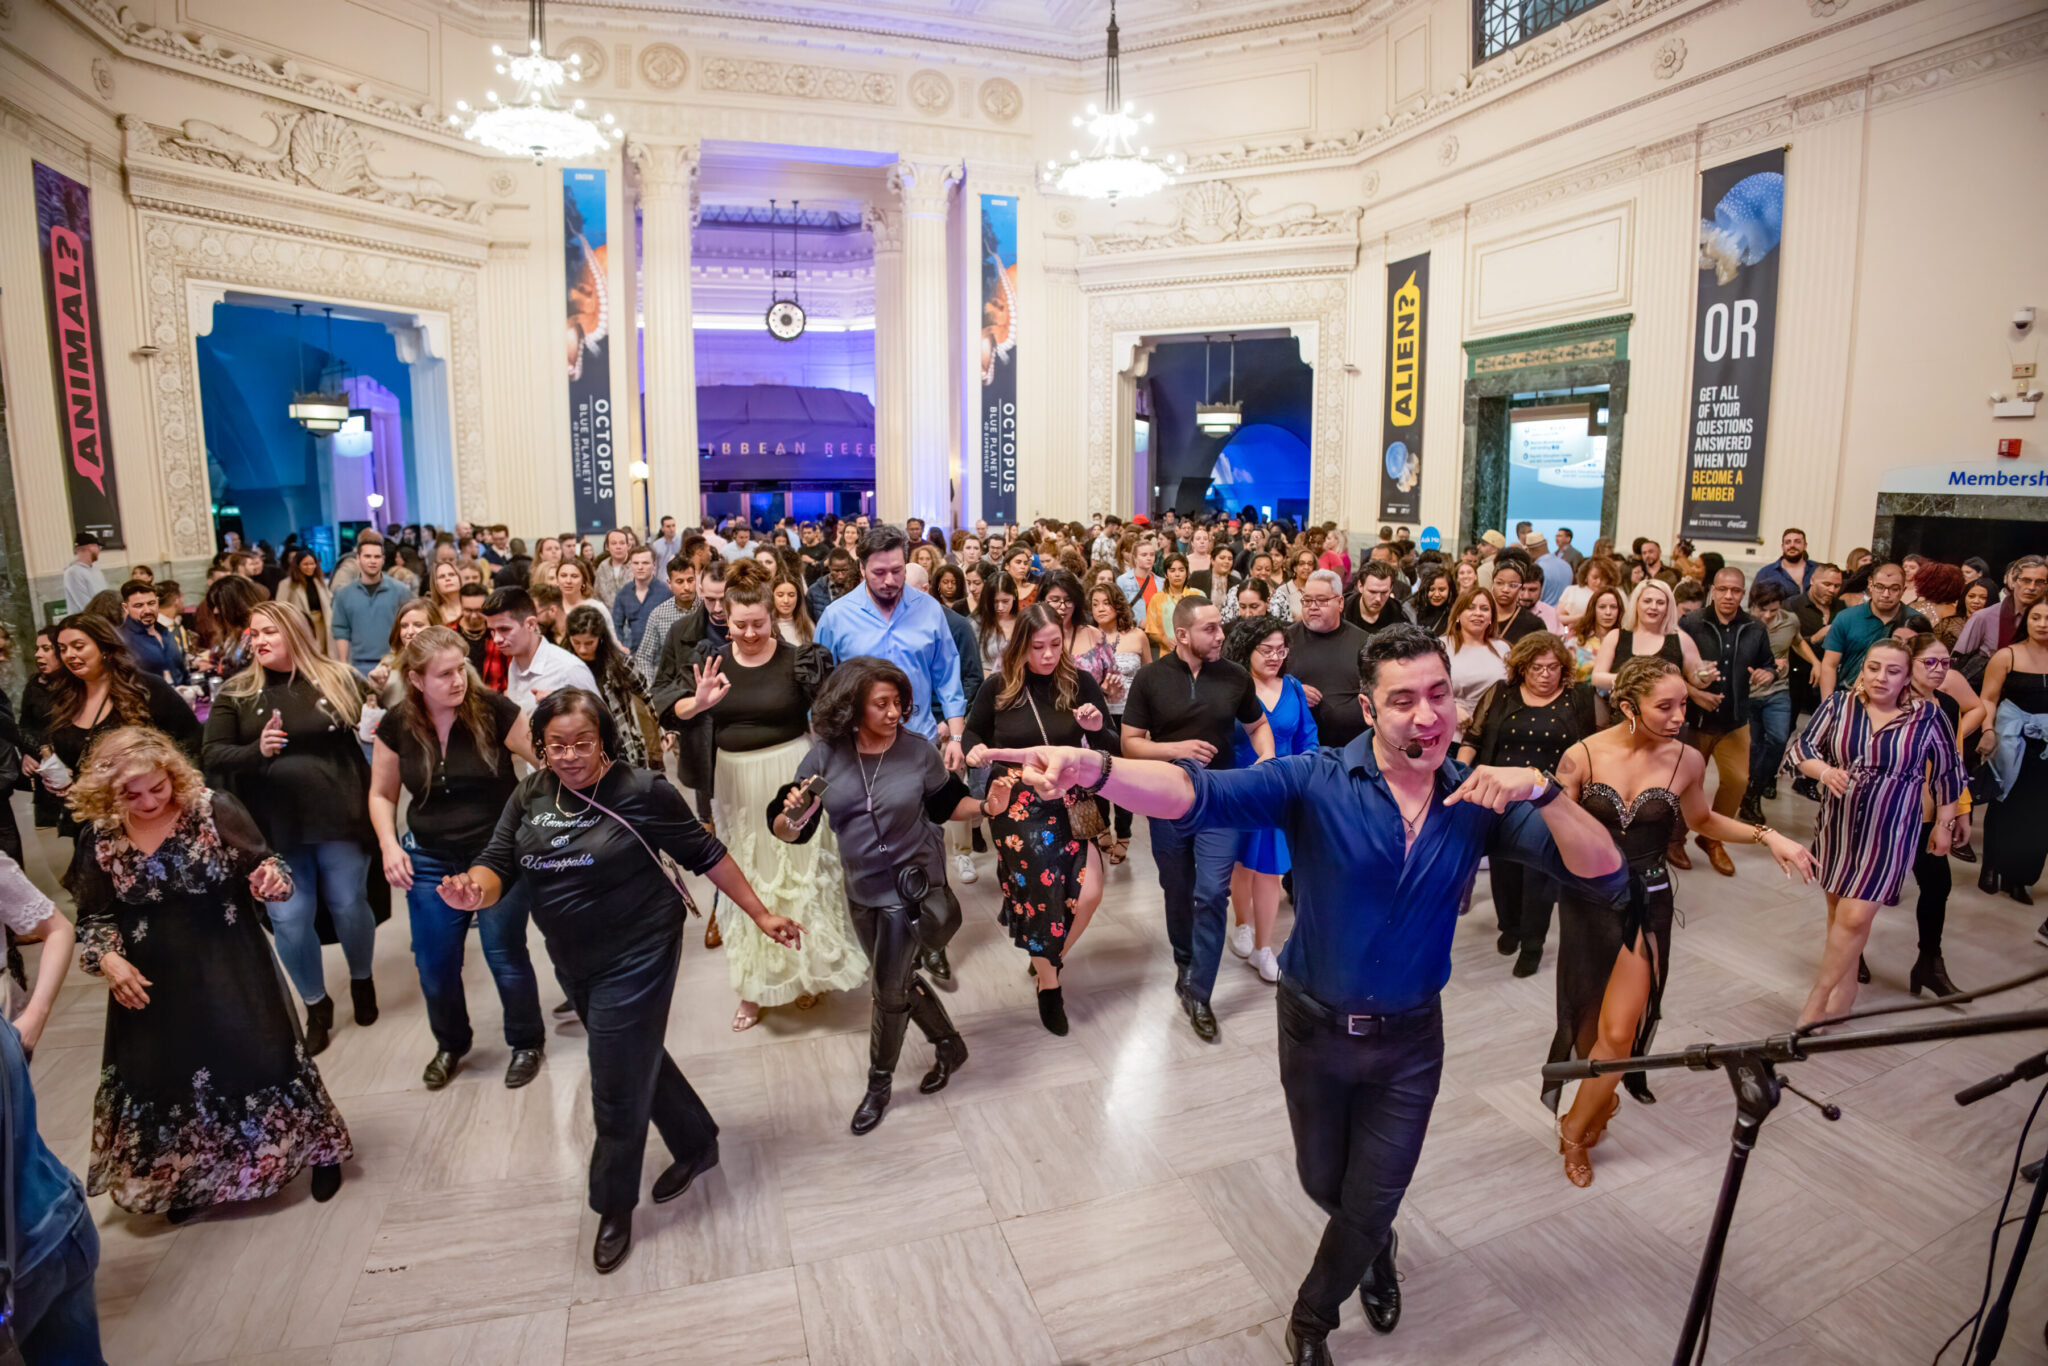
892,479
668,212
925,378
1657,425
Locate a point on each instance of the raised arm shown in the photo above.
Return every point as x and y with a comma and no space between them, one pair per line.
1603,660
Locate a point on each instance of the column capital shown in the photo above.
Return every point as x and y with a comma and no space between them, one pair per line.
924,186
667,170
885,225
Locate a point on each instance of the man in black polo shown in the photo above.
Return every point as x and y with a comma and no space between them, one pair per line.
1182,706
1322,651
1738,646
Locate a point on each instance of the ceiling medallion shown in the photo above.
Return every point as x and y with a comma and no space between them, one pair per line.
536,123
931,92
1113,169
663,65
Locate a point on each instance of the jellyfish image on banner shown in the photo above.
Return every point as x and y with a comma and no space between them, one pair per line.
1747,224
1404,466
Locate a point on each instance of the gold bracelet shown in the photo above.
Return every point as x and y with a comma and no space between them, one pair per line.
1763,832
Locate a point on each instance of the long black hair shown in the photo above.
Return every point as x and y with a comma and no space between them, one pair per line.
614,671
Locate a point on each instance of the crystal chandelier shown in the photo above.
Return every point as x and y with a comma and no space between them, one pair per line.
1113,169
536,123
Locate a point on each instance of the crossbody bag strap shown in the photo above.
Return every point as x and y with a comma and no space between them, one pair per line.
667,866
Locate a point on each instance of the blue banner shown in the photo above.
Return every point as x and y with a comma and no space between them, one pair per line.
999,308
591,313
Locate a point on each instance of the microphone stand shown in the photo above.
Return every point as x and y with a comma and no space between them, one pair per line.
1752,1071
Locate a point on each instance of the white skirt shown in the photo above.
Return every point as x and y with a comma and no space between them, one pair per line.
800,881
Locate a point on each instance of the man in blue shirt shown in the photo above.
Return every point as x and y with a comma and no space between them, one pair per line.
1386,835
909,630
365,609
59,1248
155,650
1556,570
1792,570
637,599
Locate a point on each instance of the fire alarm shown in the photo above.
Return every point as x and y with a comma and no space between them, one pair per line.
2009,448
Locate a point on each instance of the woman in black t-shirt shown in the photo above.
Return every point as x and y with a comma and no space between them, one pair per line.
584,832
449,744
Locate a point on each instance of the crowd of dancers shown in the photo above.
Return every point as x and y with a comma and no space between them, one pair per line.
833,722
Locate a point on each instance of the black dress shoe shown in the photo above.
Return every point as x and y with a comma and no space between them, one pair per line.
326,1181
2020,894
319,1025
362,994
1307,1351
1381,1293
949,1053
1201,1017
872,1107
935,963
1862,970
1052,1010
1751,812
614,1241
1771,792
1806,787
675,1182
1987,881
1530,959
523,1068
1637,1084
1508,943
1964,852
441,1070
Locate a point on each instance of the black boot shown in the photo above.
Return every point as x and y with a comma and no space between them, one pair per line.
1930,972
1862,971
1987,881
326,1181
2018,892
1052,1010
949,1054
935,963
319,1025
614,1241
874,1104
362,993
1751,811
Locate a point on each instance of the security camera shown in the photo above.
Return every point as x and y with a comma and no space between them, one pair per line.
2023,320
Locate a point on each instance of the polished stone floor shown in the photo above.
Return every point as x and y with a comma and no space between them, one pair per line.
1122,1195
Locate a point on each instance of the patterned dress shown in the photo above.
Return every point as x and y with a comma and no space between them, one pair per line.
1866,839
206,1094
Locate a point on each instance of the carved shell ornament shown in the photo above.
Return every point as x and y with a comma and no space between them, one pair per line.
1213,211
328,154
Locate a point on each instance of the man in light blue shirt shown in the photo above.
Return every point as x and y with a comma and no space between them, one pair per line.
365,610
907,629
1555,568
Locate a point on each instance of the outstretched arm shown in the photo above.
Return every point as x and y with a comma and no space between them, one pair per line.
1149,787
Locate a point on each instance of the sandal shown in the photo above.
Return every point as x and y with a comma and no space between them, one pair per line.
1116,852
712,938
807,1001
1599,1130
1578,1165
746,1017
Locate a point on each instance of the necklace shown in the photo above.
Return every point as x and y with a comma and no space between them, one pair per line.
867,782
561,786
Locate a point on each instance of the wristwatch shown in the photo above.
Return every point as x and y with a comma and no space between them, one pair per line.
1549,794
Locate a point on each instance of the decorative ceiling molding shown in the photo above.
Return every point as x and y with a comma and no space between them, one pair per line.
798,78
592,53
662,65
931,92
1214,212
1000,99
192,47
2025,40
1524,200
311,149
1669,59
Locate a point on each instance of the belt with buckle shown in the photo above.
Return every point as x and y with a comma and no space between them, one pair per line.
1362,1025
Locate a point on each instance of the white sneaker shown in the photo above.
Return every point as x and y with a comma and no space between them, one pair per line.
1268,964
963,868
1241,941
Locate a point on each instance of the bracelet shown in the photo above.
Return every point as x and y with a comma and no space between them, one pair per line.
1763,832
1103,777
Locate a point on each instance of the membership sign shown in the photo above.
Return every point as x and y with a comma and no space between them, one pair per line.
1742,216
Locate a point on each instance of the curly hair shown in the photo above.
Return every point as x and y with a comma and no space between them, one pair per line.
1533,647
124,754
1939,582
837,712
1118,604
1247,634
1635,680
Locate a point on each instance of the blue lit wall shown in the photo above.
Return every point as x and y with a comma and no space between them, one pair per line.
1276,389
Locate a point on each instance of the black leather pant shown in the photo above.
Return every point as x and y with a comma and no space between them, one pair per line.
893,936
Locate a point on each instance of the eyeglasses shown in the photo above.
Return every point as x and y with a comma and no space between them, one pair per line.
1276,650
582,749
1317,599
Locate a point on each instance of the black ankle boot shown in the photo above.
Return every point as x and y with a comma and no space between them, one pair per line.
950,1053
1637,1084
872,1105
362,993
326,1181
1052,1010
1987,881
2018,892
319,1025
1930,972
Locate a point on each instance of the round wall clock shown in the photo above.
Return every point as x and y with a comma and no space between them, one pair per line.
785,320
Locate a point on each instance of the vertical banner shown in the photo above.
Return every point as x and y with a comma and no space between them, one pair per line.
64,230
999,359
1401,417
1742,215
591,311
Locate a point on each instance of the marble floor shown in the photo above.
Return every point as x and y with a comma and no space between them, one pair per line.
1123,1195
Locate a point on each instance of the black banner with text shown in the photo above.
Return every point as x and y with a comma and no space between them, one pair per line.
1401,417
1742,216
64,228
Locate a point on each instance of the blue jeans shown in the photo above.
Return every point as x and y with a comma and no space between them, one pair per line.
55,1318
439,936
1770,730
339,868
1359,1105
1194,873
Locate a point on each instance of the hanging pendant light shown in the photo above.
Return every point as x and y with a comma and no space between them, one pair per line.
1117,167
536,122
317,411
1219,419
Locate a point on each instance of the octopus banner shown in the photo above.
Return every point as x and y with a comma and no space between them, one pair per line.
588,280
64,231
1742,216
999,359
1401,417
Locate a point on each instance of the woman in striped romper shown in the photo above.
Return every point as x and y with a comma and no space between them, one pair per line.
1871,747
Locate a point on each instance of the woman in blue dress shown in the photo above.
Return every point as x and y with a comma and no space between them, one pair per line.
1259,643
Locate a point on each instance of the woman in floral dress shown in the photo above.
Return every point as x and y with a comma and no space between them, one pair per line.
206,1094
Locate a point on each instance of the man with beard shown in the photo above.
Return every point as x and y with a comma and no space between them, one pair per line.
1792,570
1815,609
1386,835
1322,650
841,576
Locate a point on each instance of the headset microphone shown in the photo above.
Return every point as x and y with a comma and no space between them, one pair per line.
1413,749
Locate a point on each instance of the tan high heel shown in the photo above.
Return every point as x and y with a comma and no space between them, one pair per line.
1578,1162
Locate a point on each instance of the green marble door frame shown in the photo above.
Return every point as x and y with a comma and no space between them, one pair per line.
1573,356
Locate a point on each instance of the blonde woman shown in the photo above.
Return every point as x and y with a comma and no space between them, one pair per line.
283,731
1649,626
205,1097
387,683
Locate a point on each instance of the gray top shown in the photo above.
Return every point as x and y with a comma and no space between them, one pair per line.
903,781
